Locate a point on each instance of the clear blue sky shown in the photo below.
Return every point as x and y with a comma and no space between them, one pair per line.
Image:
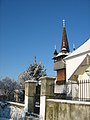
31,28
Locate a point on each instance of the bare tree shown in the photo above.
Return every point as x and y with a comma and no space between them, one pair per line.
7,87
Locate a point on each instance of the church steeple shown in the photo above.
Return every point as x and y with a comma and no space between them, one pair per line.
55,51
64,44
59,65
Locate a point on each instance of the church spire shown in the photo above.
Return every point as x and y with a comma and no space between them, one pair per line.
55,51
64,45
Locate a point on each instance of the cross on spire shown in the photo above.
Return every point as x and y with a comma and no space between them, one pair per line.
64,24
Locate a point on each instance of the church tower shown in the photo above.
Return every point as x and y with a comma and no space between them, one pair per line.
59,64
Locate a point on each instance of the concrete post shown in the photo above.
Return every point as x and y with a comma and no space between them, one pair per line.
47,91
16,95
30,90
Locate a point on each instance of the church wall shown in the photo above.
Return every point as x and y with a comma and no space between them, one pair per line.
72,65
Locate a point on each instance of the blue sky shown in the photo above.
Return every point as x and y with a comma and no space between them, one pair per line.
31,28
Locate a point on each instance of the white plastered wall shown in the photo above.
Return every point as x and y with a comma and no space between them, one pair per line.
73,64
72,68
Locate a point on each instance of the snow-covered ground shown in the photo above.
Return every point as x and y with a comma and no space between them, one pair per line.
11,110
1,118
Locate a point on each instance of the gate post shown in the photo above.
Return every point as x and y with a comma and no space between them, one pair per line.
30,90
47,91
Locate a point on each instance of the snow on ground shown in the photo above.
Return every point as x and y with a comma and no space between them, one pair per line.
1,118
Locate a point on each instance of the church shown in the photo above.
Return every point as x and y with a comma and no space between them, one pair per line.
72,69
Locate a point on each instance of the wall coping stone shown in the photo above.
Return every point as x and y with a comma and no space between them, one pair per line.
69,101
15,103
31,81
47,77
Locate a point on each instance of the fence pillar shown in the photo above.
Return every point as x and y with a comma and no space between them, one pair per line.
16,95
47,91
30,90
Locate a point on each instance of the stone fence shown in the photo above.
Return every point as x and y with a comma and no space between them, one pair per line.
67,110
57,109
12,110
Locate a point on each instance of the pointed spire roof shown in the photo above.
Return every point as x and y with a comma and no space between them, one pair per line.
55,51
64,45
